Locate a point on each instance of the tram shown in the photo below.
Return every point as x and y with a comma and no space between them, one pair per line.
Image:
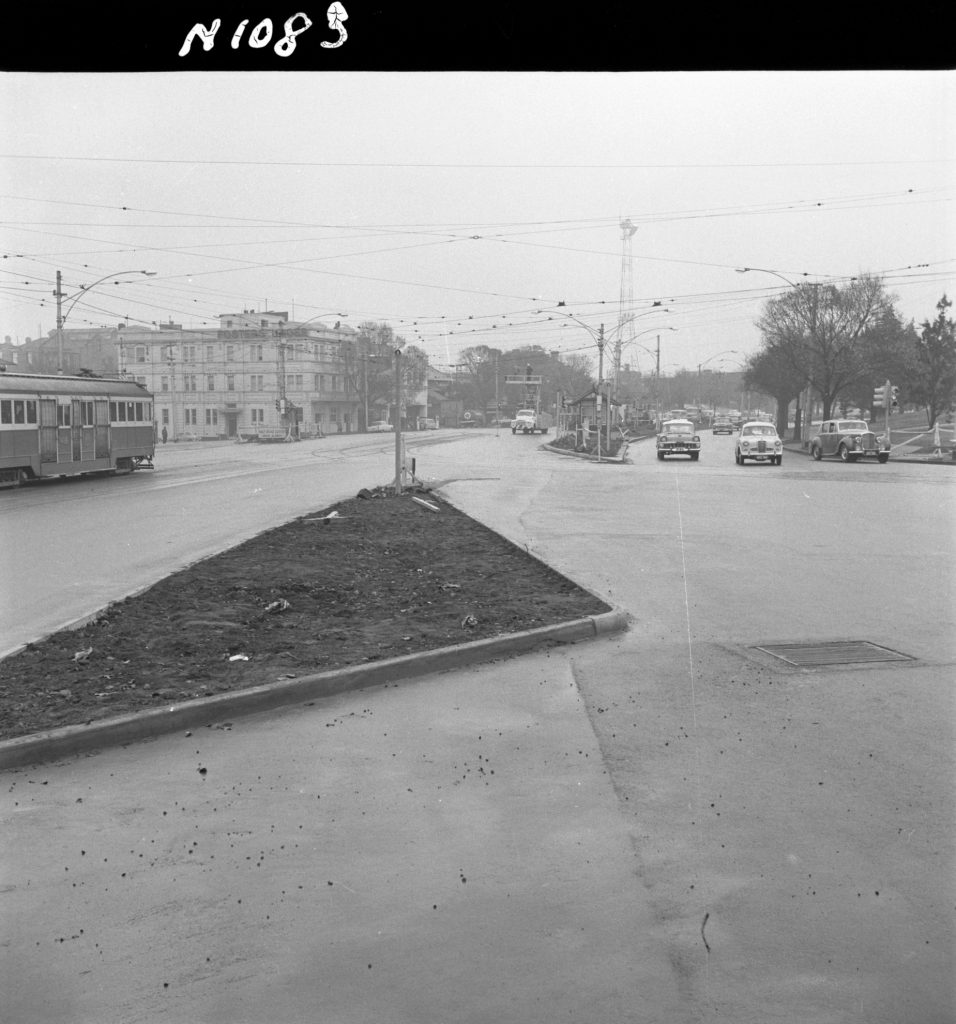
53,425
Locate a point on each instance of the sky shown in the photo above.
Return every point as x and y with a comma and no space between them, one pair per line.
463,207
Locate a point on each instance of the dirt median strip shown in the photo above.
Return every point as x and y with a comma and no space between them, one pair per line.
110,732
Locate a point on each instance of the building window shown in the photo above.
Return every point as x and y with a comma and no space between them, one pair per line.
257,353
230,382
190,418
210,382
257,415
189,353
209,352
189,382
140,353
163,383
212,417
164,417
257,382
230,353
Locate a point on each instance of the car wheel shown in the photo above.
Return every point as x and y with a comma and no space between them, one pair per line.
660,456
883,457
778,461
844,453
815,453
694,456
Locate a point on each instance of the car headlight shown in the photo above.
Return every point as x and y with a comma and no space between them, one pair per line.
744,444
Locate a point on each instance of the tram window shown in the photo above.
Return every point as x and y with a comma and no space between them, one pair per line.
121,409
112,412
63,415
19,414
31,412
149,410
6,411
87,410
130,411
139,411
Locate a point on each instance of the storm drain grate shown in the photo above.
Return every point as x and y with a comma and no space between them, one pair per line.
837,652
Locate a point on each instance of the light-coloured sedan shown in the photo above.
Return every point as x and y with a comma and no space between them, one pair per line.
758,441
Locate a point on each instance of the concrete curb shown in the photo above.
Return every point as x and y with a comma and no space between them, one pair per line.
78,739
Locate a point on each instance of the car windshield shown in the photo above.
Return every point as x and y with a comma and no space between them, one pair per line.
678,428
852,426
764,430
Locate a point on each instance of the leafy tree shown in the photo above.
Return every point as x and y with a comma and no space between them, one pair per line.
933,383
771,371
477,377
819,329
571,375
889,352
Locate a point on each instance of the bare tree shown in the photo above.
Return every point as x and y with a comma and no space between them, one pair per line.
818,329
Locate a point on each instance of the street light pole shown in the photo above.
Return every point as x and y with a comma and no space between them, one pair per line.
600,345
61,317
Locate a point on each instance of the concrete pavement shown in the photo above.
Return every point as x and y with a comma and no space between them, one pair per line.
444,850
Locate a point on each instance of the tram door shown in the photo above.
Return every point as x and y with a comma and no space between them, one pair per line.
48,430
101,421
76,429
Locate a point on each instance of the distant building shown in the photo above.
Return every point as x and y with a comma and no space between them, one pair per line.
258,373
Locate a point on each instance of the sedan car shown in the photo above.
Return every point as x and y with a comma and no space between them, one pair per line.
677,437
723,425
380,427
759,441
849,440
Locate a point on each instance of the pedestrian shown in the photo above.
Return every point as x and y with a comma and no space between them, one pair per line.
164,435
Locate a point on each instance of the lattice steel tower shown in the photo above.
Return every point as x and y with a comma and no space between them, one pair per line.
625,321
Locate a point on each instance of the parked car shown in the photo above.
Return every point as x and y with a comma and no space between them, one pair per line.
427,423
677,437
380,427
849,440
722,425
758,440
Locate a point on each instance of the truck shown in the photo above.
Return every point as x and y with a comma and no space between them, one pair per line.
530,420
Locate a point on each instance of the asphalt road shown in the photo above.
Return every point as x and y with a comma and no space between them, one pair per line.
752,842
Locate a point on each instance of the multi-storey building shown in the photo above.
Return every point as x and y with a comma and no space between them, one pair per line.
258,373
80,348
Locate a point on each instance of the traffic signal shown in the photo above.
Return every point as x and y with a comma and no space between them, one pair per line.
878,395
894,398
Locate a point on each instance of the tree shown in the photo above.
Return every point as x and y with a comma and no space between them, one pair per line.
819,329
477,384
772,372
934,378
370,368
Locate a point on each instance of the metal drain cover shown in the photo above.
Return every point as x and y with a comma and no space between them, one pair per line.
836,652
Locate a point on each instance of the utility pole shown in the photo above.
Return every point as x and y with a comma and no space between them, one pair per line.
657,384
398,421
600,345
365,387
59,322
